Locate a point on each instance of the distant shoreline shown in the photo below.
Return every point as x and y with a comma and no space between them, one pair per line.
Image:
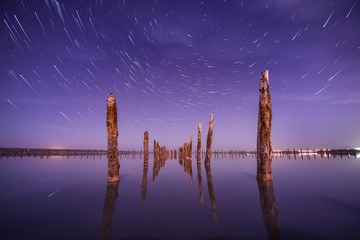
23,152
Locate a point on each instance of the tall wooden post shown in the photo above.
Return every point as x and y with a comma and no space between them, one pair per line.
190,150
209,139
145,167
112,141
146,143
154,148
186,150
198,152
264,150
158,150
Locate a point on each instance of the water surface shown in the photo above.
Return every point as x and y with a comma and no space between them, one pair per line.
68,198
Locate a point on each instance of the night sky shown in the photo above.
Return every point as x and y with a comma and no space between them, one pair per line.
171,64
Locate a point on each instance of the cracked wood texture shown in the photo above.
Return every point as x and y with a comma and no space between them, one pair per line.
264,150
112,139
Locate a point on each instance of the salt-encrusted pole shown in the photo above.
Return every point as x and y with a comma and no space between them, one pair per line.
209,140
269,209
146,143
199,143
264,151
112,135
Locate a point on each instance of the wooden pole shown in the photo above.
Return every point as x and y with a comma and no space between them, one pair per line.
112,139
186,150
199,143
264,150
146,143
145,168
209,139
190,150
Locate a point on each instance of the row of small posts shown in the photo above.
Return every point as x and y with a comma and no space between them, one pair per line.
28,152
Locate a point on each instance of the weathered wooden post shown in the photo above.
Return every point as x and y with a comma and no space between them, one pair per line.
181,156
264,150
158,156
199,143
154,149
190,150
112,135
187,155
163,152
269,209
209,139
146,163
146,143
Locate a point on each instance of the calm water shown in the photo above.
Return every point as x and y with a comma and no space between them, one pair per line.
68,198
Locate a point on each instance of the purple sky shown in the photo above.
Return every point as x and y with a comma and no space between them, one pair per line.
171,64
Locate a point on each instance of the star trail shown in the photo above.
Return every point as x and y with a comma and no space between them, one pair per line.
171,64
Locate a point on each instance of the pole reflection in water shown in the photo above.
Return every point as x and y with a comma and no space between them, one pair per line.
201,195
108,211
210,186
269,209
191,174
144,180
156,167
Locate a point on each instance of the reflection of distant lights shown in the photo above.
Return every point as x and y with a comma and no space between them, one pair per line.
309,153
